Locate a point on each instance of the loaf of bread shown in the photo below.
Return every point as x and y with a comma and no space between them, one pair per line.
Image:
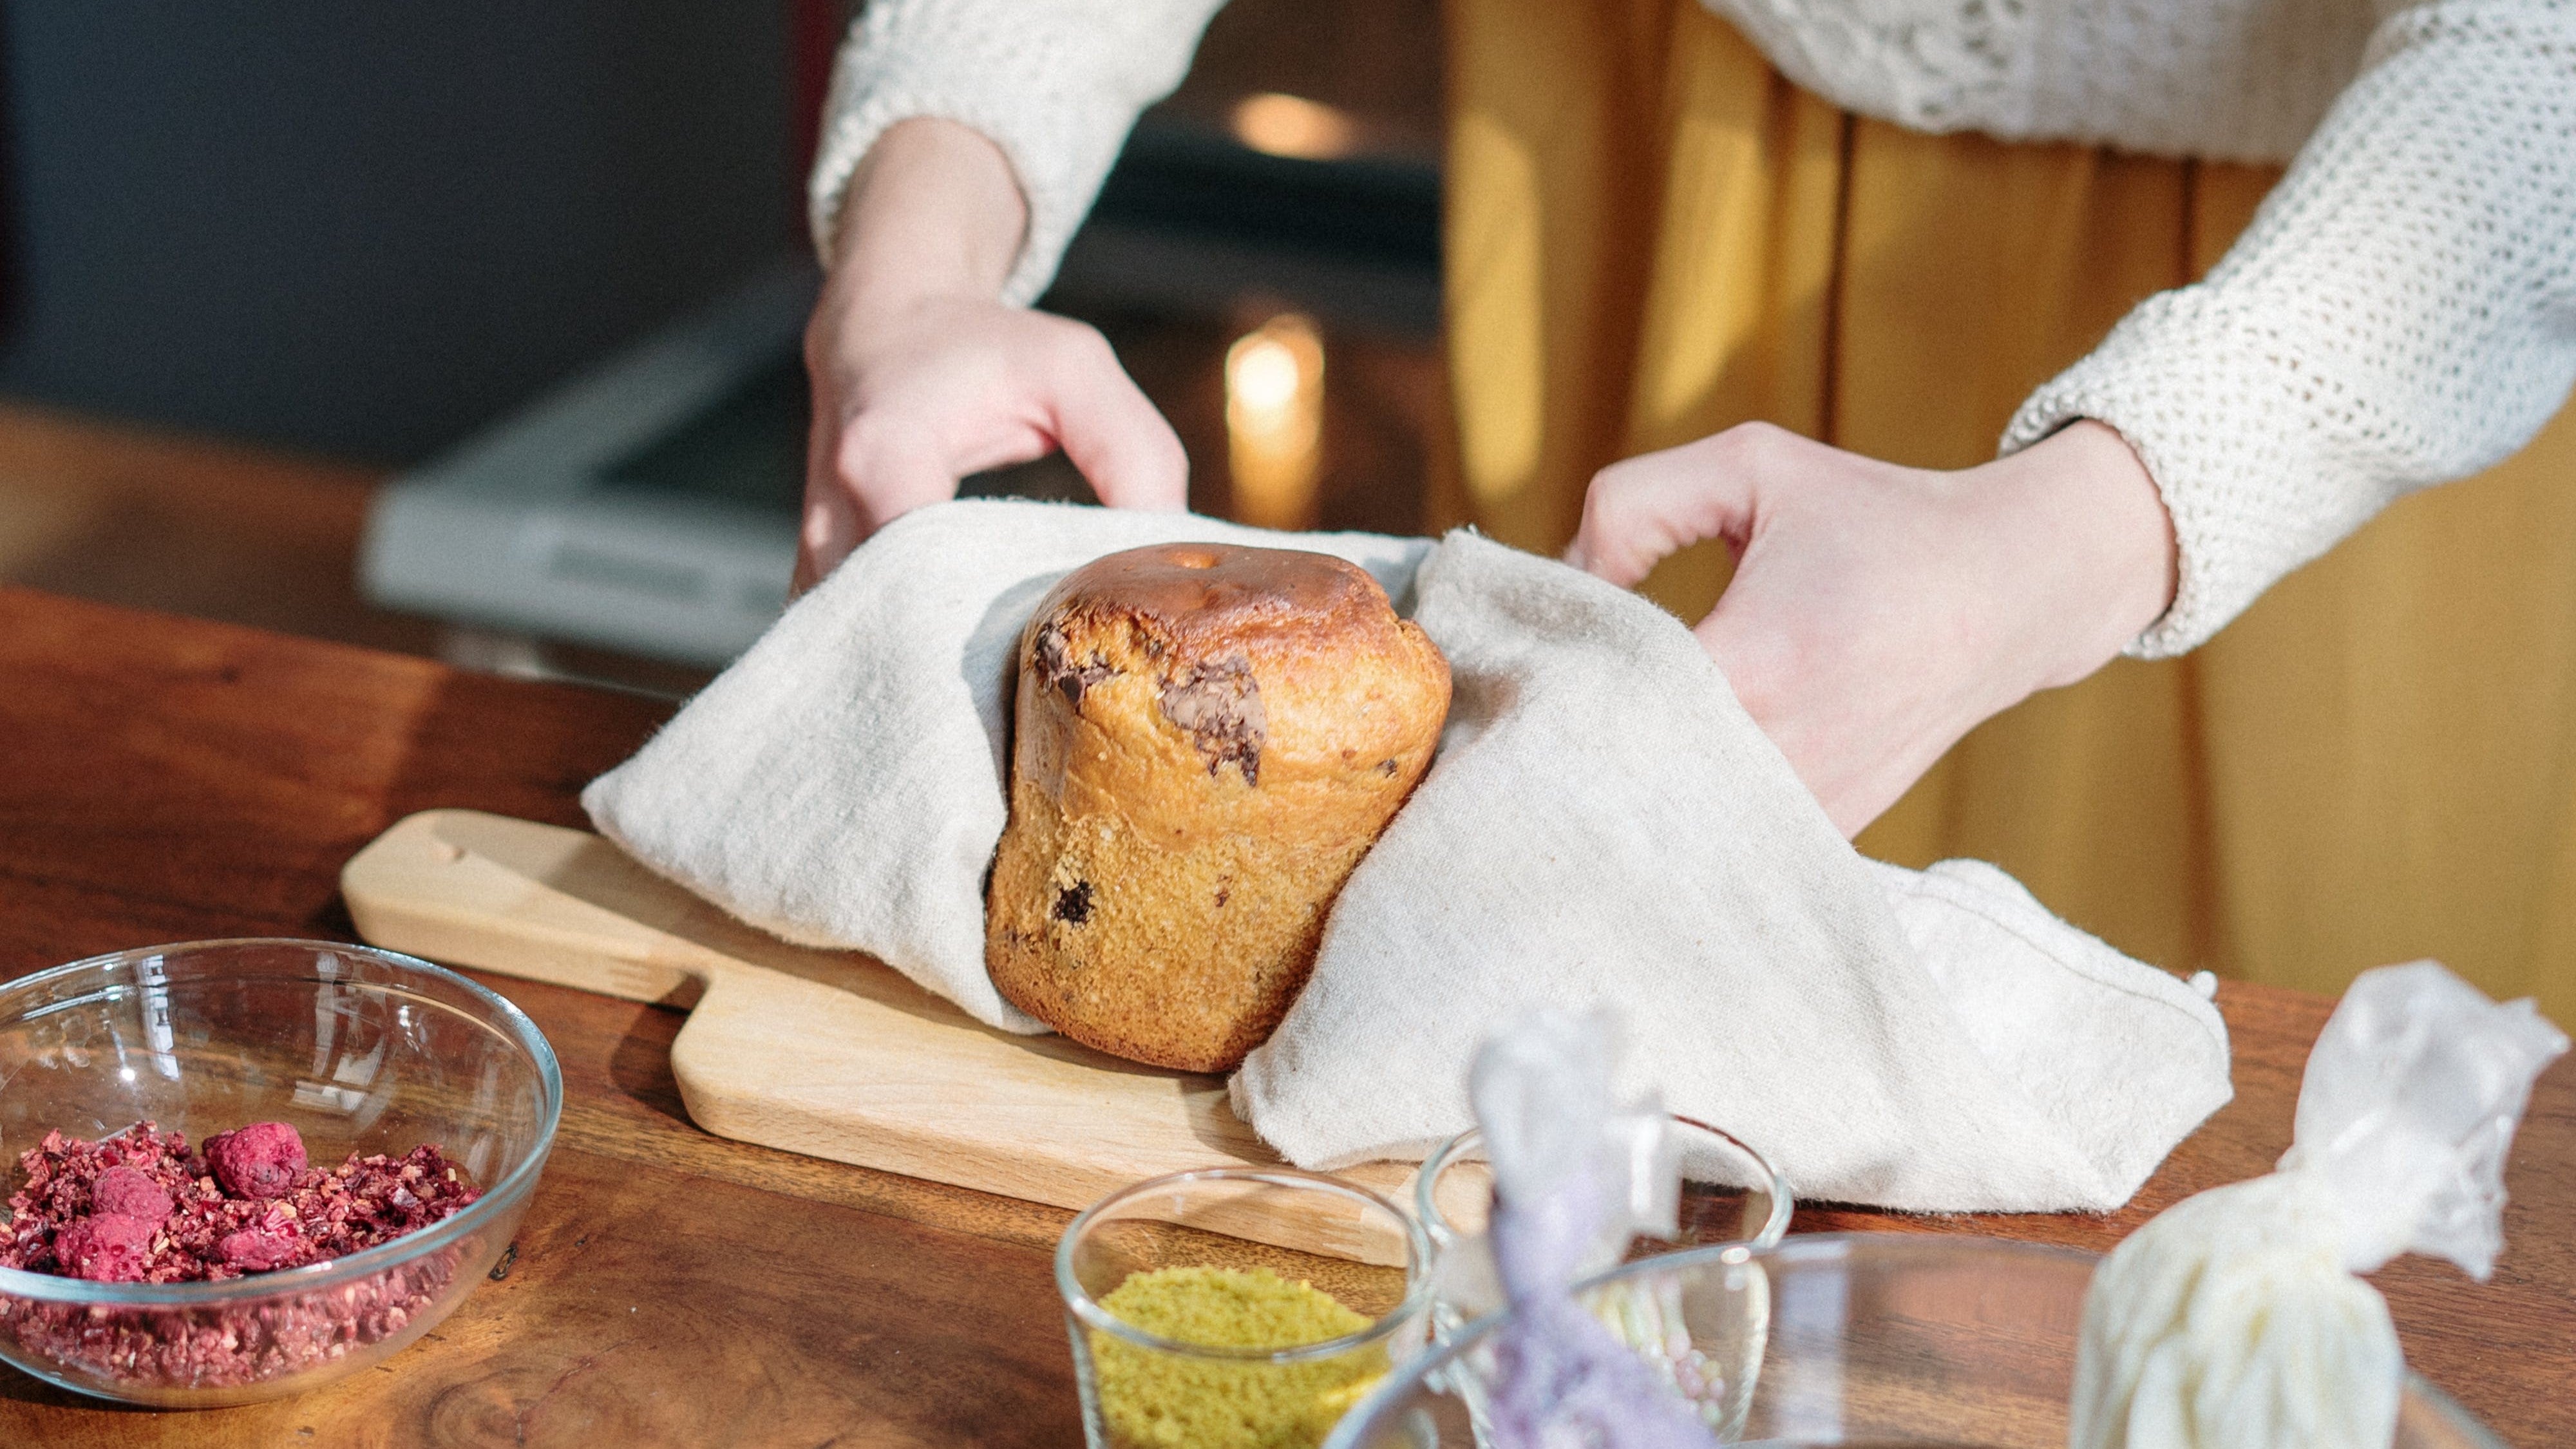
1208,739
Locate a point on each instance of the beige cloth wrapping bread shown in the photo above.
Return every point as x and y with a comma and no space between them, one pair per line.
1604,825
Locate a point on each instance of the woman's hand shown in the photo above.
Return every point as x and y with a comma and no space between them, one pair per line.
921,375
1878,613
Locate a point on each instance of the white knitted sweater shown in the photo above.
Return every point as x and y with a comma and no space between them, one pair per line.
2401,312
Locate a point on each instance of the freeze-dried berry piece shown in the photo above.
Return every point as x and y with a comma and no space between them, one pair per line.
256,1250
260,1160
105,1248
130,1192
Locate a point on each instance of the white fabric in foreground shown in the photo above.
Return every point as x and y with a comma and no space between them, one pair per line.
1604,825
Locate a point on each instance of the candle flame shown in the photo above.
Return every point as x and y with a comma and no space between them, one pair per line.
1274,421
1284,125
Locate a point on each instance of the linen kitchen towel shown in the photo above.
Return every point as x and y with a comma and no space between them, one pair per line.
1604,824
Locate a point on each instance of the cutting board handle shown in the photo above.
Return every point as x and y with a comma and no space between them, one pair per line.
554,905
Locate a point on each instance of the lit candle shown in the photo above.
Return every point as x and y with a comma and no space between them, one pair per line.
1274,421
1283,125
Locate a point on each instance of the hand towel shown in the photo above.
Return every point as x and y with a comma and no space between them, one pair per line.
1604,826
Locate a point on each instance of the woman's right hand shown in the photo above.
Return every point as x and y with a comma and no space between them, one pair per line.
1878,613
921,375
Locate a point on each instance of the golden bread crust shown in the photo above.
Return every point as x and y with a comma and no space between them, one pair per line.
1208,739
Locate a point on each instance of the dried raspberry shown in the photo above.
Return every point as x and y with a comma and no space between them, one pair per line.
130,1192
256,1250
105,1247
260,1160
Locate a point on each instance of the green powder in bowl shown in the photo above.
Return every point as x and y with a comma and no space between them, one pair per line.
1177,1401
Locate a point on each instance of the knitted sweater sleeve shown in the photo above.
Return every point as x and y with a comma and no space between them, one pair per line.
1056,84
2401,312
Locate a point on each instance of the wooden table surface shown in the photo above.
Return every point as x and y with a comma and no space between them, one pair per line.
165,779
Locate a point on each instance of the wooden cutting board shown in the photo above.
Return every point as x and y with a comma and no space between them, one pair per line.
830,1054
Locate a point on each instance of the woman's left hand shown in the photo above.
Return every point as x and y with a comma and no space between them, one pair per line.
1878,613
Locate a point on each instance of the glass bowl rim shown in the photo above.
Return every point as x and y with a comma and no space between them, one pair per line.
1417,1269
1806,1247
1775,1223
330,1272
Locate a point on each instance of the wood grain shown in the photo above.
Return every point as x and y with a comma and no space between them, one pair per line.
165,780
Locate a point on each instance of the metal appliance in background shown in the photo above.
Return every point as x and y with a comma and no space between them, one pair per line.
650,506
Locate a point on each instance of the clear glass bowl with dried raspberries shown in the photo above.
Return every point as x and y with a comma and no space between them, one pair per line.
235,1170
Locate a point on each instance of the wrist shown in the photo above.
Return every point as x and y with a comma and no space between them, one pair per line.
934,209
2104,560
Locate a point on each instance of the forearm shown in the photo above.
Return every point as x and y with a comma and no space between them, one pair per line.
931,209
2402,312
1054,85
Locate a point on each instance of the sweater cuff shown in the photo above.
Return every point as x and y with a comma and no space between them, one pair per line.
2225,420
1056,87
1052,217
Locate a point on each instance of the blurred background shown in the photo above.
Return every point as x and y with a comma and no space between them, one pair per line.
470,330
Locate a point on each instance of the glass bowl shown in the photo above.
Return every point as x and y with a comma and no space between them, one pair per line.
361,1051
1885,1339
1730,1194
1140,1388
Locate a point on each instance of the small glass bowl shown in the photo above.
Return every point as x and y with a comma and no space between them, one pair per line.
1731,1194
1881,1339
1142,1389
359,1050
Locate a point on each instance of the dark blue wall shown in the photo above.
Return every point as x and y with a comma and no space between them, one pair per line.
368,228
